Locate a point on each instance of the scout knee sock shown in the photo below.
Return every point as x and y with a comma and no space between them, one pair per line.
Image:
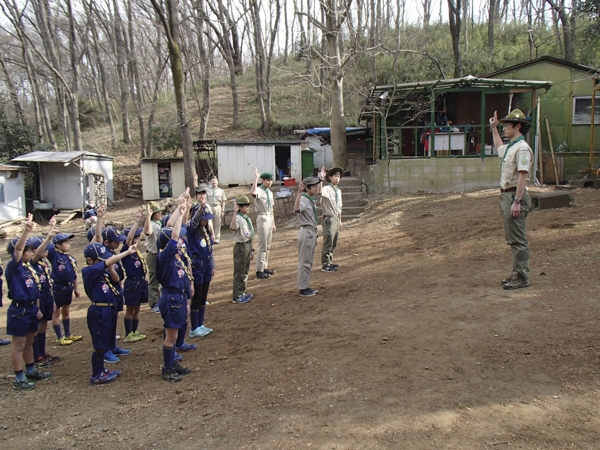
201,315
134,324
194,319
97,363
128,325
36,349
58,331
181,335
168,356
42,343
67,325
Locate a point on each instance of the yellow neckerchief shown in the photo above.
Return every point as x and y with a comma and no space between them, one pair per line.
142,260
179,263
110,282
44,266
206,238
33,273
119,262
73,260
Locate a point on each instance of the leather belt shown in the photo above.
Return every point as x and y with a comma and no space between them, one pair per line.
102,304
512,189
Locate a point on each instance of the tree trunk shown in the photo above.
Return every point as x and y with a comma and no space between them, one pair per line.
122,72
455,11
74,92
170,23
13,94
205,63
491,20
137,84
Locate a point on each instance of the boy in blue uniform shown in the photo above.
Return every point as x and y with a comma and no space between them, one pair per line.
98,282
172,274
64,284
135,290
200,245
23,313
47,307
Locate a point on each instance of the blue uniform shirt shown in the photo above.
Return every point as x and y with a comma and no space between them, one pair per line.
117,266
96,282
200,249
64,267
134,265
43,271
170,271
22,281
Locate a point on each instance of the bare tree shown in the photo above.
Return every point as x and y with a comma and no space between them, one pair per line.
567,14
169,18
455,13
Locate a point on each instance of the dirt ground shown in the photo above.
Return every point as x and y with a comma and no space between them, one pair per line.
412,344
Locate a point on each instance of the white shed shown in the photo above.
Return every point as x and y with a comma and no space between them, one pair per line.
67,179
162,178
12,192
238,159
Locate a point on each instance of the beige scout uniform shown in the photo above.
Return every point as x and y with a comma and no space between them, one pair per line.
264,203
215,198
331,206
307,240
516,157
151,257
242,252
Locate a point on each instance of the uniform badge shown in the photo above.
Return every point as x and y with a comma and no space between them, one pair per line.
524,161
137,264
61,267
181,273
203,243
29,283
105,288
42,278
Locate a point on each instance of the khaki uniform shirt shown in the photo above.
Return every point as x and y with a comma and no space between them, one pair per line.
515,159
151,239
306,216
263,202
331,200
243,233
215,196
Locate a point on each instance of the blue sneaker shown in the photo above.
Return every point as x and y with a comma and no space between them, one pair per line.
121,351
4,341
244,298
178,358
249,296
103,378
186,348
115,373
155,309
109,357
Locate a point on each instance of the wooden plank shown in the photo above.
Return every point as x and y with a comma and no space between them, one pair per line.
11,222
68,219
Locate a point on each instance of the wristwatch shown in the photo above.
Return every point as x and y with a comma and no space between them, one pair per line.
517,200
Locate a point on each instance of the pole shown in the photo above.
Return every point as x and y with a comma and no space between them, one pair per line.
552,152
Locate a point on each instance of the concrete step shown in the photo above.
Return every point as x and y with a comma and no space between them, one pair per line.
351,188
347,196
349,218
350,181
355,202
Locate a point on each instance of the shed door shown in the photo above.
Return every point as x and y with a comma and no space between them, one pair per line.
150,181
261,157
296,162
178,178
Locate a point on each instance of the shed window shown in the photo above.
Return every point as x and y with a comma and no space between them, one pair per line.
582,111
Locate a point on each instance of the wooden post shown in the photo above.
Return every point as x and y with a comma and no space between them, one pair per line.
552,151
592,124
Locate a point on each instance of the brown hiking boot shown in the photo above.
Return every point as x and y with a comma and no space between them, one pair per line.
517,283
513,275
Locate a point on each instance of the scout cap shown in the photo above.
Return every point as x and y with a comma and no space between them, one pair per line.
96,251
36,241
155,207
201,188
310,181
242,200
137,232
266,176
111,234
165,234
10,247
60,237
332,171
213,177
207,216
516,116
90,234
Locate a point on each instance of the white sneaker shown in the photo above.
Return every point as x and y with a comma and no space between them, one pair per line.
201,331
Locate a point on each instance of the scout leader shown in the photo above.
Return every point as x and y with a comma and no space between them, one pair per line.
265,221
331,207
307,237
514,198
216,200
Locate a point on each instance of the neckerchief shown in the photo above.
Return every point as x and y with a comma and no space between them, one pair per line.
312,202
142,260
336,189
33,273
268,196
206,238
112,287
44,266
509,145
249,222
73,260
182,265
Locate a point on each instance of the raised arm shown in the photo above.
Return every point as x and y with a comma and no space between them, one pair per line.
147,225
20,246
134,227
255,184
42,248
236,209
495,133
98,236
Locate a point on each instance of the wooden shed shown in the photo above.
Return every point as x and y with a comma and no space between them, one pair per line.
162,178
12,193
238,159
67,179
567,106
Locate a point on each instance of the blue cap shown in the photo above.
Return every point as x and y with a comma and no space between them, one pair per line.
36,241
165,220
112,234
90,234
60,237
207,216
96,251
10,247
165,234
138,232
